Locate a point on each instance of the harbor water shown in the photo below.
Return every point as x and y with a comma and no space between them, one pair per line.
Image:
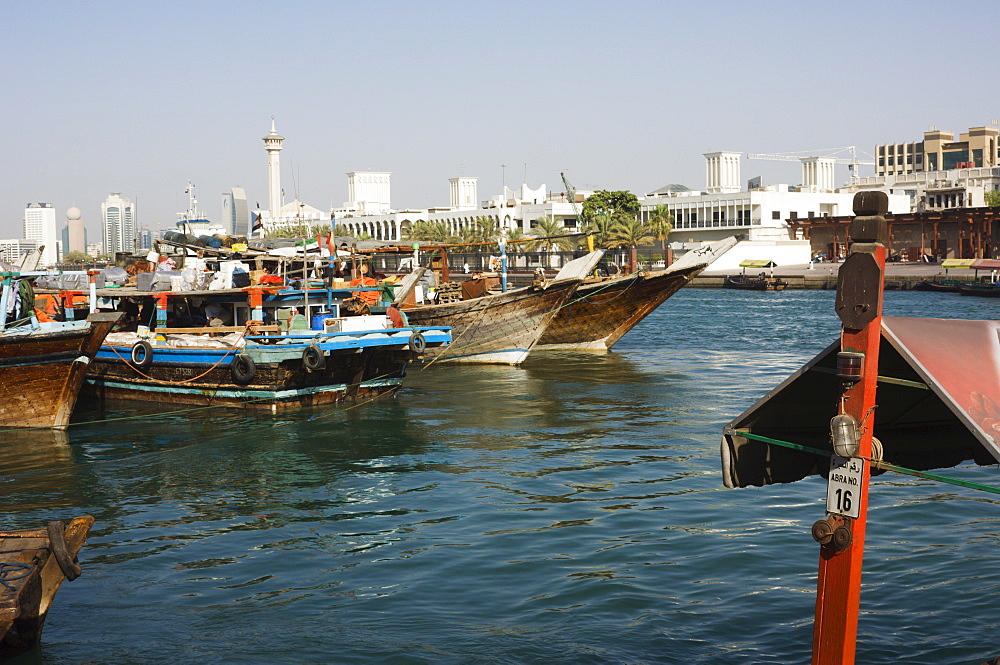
567,511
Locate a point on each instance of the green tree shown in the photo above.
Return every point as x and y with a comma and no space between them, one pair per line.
76,257
993,199
430,231
299,231
600,227
619,205
631,233
546,229
661,223
486,229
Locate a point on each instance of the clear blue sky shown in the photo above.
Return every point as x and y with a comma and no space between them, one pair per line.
139,97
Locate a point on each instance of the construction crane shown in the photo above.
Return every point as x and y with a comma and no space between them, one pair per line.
571,195
853,163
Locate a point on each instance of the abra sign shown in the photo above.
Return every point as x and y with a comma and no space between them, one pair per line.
843,494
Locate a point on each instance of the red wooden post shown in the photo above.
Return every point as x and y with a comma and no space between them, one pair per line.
859,305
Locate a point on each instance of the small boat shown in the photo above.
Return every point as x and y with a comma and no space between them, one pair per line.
762,282
294,360
759,283
984,290
42,364
603,309
33,564
500,327
943,286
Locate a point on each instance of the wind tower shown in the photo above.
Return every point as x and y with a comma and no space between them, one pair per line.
272,143
722,172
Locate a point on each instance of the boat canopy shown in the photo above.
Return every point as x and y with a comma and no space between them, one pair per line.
938,405
986,264
758,263
957,263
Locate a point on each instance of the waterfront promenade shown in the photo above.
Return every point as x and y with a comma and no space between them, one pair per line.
898,276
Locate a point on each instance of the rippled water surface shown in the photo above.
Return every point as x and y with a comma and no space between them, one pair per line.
568,511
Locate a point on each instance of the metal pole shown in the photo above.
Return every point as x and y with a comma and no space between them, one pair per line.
503,262
860,284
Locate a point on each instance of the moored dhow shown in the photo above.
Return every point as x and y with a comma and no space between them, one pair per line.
258,366
42,364
502,328
602,310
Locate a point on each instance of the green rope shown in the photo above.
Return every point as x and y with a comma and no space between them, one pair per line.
878,464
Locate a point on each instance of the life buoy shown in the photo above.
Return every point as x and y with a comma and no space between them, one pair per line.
142,354
243,369
417,342
313,358
68,564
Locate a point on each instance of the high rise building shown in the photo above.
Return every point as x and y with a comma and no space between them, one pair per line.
118,224
236,212
74,232
40,226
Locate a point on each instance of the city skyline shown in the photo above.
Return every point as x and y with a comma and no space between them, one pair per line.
629,99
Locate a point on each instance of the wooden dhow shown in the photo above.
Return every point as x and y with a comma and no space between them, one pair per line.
502,328
603,309
257,366
42,365
33,564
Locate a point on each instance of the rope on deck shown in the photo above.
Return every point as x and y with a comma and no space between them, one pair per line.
7,574
877,463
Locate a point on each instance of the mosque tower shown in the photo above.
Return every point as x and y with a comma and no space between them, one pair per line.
272,143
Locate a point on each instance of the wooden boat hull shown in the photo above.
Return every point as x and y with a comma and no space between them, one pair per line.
940,287
755,283
41,371
499,328
31,558
980,290
353,370
601,312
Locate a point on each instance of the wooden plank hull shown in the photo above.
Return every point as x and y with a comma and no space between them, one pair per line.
600,313
33,575
204,378
755,283
41,371
498,328
981,290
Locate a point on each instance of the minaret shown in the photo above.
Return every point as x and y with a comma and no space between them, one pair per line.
272,143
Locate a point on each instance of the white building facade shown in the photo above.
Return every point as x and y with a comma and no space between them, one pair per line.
929,191
369,192
40,226
514,209
12,249
118,224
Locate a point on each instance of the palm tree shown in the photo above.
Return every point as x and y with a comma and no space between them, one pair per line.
600,227
486,229
545,229
632,232
661,223
430,231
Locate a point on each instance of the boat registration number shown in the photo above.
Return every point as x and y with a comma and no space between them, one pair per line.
844,491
